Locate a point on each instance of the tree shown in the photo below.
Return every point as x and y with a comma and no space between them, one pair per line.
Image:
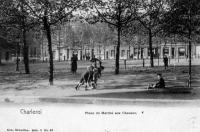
49,13
96,34
183,20
14,36
117,13
16,15
82,30
149,15
6,44
102,33
133,34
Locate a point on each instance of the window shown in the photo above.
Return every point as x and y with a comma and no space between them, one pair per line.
181,51
122,53
112,53
173,52
35,51
67,53
165,51
128,54
31,52
136,51
37,36
155,51
54,55
142,52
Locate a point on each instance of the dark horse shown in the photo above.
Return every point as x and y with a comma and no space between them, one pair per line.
90,77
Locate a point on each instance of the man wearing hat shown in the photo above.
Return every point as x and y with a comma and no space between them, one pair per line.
159,84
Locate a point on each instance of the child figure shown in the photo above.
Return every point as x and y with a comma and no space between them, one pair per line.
159,84
96,74
86,78
95,77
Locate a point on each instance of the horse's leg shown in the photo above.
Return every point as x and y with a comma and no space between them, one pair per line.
78,86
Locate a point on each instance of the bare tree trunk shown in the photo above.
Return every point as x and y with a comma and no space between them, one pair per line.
48,33
42,51
190,63
42,42
118,51
59,32
26,47
17,61
190,49
138,51
129,48
26,53
81,52
190,59
150,48
0,58
104,53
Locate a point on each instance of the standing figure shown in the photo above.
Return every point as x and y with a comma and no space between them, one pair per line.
96,75
96,71
74,60
165,60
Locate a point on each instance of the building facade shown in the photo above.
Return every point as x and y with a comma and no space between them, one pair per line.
173,51
67,40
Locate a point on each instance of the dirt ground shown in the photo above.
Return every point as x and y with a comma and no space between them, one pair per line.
134,77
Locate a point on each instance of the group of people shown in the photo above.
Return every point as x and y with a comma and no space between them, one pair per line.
93,73
91,76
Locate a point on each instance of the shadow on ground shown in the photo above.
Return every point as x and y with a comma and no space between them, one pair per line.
151,94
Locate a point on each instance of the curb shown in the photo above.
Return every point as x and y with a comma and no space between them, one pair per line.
115,101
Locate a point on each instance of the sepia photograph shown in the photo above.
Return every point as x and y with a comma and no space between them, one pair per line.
99,65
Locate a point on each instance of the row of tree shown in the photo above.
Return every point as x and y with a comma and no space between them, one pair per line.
26,15
152,18
155,18
158,17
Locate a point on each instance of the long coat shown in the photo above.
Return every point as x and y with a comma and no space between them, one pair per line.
74,60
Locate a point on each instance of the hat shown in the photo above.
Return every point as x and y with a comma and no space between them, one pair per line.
159,74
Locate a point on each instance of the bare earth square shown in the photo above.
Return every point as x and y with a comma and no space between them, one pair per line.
129,85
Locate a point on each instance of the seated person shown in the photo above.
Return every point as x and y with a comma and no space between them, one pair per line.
86,78
159,84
